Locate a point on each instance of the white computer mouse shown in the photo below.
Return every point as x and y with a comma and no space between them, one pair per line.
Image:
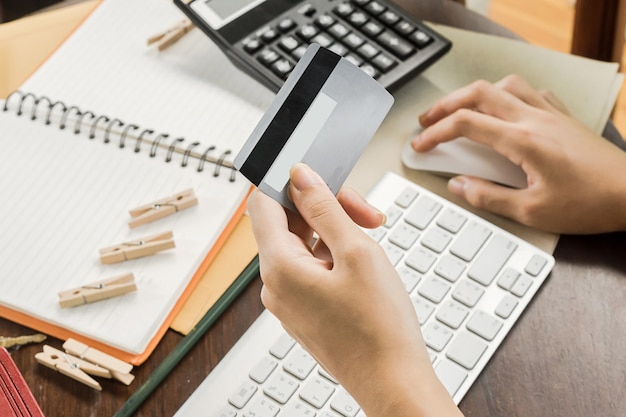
465,157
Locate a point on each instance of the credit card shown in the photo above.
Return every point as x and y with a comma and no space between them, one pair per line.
324,115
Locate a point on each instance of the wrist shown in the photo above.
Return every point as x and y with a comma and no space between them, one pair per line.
401,390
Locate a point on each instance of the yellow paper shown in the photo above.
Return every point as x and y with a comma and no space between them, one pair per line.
26,43
231,260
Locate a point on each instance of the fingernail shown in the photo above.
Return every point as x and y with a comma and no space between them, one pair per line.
383,218
456,186
424,118
303,177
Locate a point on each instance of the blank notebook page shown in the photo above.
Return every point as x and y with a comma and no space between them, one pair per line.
190,90
66,196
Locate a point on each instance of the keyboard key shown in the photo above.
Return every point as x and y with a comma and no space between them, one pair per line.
423,212
392,214
263,369
282,346
344,404
299,363
451,220
407,196
522,285
452,314
377,234
390,18
468,293
404,235
298,409
393,252
421,259
410,278
471,239
423,308
436,336
436,239
484,325
404,28
450,375
433,289
375,8
226,412
492,259
372,29
338,30
506,306
508,278
326,375
383,62
338,48
325,21
535,265
450,268
281,387
420,39
317,391
466,350
262,407
241,397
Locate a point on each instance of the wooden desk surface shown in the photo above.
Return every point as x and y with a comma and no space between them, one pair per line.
565,356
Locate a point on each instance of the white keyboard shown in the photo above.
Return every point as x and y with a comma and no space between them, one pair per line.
469,282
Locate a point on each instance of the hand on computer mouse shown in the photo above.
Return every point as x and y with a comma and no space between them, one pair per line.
576,179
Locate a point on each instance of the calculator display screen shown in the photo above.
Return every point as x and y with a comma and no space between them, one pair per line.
219,12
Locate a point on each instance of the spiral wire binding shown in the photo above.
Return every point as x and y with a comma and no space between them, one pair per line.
92,121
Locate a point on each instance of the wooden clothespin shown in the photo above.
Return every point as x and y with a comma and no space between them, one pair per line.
99,290
137,248
170,36
72,366
164,207
119,370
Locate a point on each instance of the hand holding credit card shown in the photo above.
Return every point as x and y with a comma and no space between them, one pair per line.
324,116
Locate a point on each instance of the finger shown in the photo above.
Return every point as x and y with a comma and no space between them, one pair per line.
520,88
487,195
554,101
319,207
479,96
270,226
359,210
478,127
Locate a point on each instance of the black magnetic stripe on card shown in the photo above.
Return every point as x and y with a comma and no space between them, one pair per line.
289,115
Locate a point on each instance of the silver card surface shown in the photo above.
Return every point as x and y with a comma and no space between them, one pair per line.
324,115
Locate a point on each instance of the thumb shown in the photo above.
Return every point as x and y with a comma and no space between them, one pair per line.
486,195
319,207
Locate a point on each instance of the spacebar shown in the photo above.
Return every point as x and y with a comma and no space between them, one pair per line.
492,259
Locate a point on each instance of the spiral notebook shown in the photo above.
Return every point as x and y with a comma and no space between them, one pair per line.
149,125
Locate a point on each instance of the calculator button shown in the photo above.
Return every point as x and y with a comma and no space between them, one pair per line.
374,8
282,68
353,41
354,59
338,30
368,51
325,21
323,40
420,39
298,52
372,29
286,25
269,35
288,43
307,10
267,57
370,70
383,62
390,18
307,32
338,48
358,19
404,28
252,45
399,47
344,10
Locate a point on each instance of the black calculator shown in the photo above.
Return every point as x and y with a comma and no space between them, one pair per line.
265,38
